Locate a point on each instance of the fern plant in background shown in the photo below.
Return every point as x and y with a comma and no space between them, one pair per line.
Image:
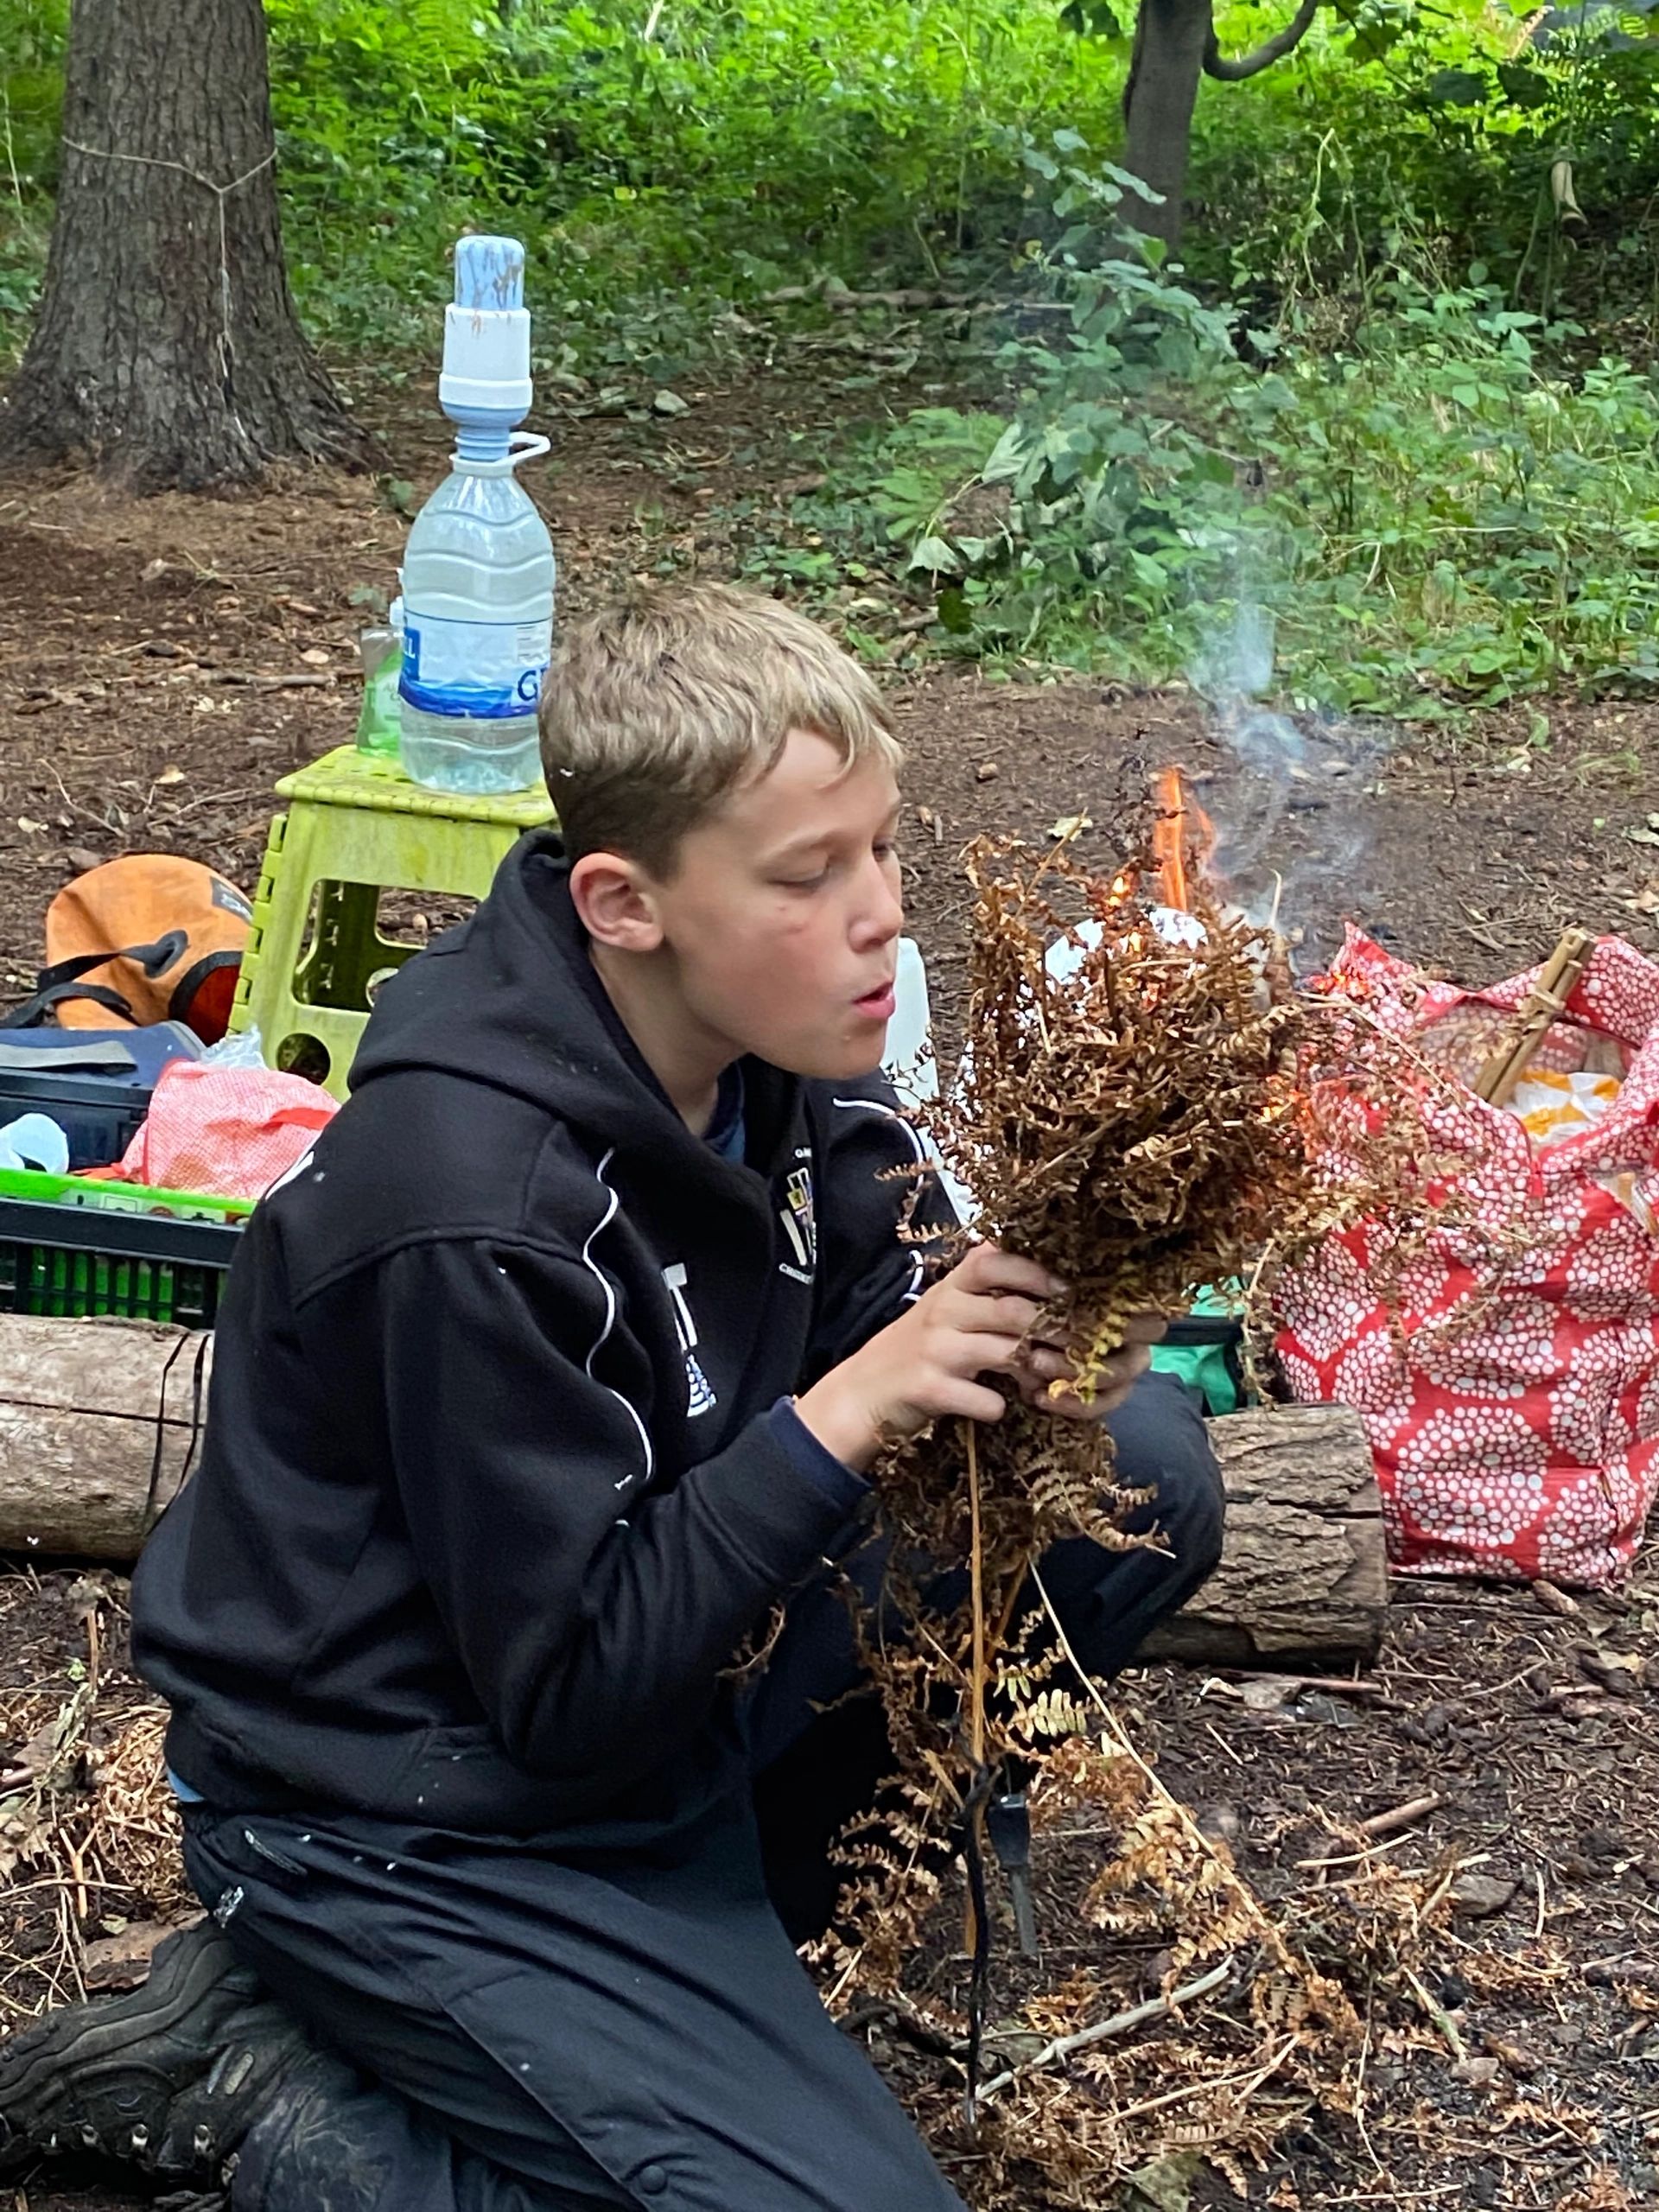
1438,512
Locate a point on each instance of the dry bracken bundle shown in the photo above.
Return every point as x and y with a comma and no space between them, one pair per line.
1173,1113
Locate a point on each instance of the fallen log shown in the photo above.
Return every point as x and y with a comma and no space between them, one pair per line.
1303,1581
99,1421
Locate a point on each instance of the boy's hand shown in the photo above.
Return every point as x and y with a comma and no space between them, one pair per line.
926,1365
1046,1363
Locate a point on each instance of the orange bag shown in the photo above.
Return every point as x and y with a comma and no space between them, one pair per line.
149,937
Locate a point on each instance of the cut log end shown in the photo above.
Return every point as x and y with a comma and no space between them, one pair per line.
1303,1582
99,1421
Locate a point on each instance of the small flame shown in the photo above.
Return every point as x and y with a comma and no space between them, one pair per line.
1183,838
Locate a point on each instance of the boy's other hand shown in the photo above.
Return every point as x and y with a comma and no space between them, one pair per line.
1043,1364
927,1365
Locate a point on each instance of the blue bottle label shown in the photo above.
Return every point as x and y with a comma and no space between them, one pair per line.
488,671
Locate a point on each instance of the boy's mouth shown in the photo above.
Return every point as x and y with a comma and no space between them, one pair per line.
877,1005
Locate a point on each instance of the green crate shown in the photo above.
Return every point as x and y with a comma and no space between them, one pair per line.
119,1198
73,1247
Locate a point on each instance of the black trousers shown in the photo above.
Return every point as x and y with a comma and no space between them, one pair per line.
537,2034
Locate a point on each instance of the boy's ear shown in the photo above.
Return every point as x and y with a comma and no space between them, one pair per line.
614,899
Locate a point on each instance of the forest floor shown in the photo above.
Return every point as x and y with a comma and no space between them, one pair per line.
163,663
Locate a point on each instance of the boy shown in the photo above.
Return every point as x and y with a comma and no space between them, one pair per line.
565,1356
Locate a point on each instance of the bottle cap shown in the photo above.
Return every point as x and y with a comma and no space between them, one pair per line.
485,380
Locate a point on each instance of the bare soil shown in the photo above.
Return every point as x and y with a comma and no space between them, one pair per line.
161,664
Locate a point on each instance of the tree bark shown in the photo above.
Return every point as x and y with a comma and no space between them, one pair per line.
98,1424
166,349
1303,1581
1175,45
1170,40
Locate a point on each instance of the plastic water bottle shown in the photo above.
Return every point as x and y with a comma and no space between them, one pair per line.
478,571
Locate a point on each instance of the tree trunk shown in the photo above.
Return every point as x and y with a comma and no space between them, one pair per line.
167,348
1303,1581
1170,40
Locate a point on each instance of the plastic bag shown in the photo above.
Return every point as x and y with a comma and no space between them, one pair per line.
35,1143
234,1131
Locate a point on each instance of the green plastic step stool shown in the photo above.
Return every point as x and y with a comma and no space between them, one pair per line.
355,826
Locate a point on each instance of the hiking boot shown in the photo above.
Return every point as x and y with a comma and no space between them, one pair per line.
167,2079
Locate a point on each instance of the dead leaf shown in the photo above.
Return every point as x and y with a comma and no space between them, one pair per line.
1622,1672
315,656
1556,1601
1268,1694
1567,209
1166,2185
38,1756
26,822
1071,825
122,1961
1521,2063
1477,2073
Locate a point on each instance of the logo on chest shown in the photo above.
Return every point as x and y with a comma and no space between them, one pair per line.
699,1391
800,1224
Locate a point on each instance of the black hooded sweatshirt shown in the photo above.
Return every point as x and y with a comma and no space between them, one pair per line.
495,1477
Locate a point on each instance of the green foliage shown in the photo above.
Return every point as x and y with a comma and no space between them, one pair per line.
1388,395
660,160
1435,516
667,158
1396,122
20,283
31,47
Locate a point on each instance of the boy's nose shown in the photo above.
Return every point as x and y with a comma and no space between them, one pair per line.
881,917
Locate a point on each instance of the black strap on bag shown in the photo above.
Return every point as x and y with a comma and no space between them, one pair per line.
62,981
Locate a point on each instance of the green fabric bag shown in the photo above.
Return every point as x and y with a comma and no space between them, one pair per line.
1205,1350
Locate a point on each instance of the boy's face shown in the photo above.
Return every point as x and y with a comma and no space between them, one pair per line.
782,918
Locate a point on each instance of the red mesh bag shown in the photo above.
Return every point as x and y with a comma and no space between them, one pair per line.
1512,1407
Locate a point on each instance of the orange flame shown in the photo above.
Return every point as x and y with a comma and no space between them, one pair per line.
1183,838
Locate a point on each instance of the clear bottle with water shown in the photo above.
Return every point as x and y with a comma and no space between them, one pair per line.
478,574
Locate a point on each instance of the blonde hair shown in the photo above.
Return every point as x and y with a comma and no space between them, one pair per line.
655,710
